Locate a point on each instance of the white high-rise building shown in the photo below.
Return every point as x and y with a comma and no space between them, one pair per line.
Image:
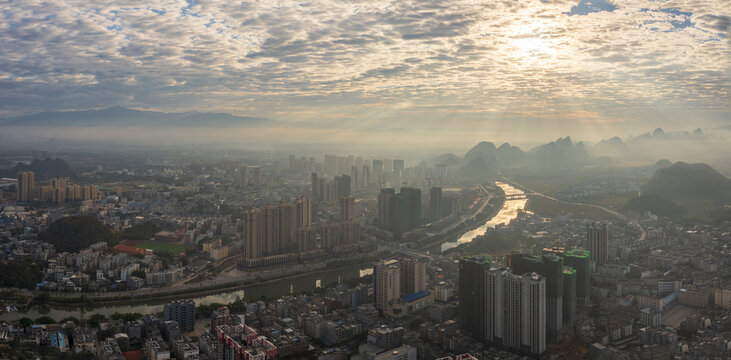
386,283
515,311
533,313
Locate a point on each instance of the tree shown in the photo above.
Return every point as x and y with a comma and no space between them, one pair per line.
139,273
96,319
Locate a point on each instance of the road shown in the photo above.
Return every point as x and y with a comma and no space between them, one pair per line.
530,191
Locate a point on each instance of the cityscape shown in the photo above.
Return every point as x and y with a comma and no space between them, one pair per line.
415,180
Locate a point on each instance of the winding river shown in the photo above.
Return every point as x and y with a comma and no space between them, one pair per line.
508,212
275,288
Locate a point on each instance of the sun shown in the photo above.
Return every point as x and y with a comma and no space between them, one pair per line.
529,45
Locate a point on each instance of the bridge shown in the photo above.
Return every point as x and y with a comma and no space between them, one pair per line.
515,197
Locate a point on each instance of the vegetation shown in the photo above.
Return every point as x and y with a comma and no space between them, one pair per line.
544,206
494,244
655,204
689,183
142,231
24,274
76,232
126,316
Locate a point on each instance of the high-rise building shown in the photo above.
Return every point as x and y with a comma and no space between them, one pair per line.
273,230
569,295
384,207
472,295
533,314
40,155
579,259
257,175
377,167
413,196
550,266
596,242
315,182
343,187
25,186
413,275
354,177
435,204
386,283
398,167
366,176
182,312
245,176
347,208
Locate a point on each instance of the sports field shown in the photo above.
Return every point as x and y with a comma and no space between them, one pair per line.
161,246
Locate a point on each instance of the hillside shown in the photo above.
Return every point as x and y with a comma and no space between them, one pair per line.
655,204
690,183
46,169
75,233
477,169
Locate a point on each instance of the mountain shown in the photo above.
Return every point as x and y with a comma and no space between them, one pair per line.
484,150
503,156
43,169
690,182
74,233
446,159
656,205
477,169
123,117
561,153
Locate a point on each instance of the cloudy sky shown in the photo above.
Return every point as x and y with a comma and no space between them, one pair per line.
446,71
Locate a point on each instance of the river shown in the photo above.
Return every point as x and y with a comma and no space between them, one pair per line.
508,212
272,290
275,288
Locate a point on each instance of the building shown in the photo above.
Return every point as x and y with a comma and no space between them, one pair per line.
385,337
472,295
384,207
596,242
696,296
650,317
533,314
398,167
386,283
182,312
241,342
413,275
580,261
435,204
569,295
550,266
503,309
25,186
273,230
347,208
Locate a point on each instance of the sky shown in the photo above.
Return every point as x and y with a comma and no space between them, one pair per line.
441,72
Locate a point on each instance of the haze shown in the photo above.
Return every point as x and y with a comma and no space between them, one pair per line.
373,73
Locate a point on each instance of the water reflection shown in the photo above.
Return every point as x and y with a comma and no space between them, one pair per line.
508,212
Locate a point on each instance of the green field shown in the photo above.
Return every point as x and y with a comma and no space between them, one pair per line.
161,246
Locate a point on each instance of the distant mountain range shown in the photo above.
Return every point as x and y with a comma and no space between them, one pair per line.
564,153
123,117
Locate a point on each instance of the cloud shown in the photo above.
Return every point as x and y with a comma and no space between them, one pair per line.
291,60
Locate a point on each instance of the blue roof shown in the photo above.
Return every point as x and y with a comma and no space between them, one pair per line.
670,298
415,296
